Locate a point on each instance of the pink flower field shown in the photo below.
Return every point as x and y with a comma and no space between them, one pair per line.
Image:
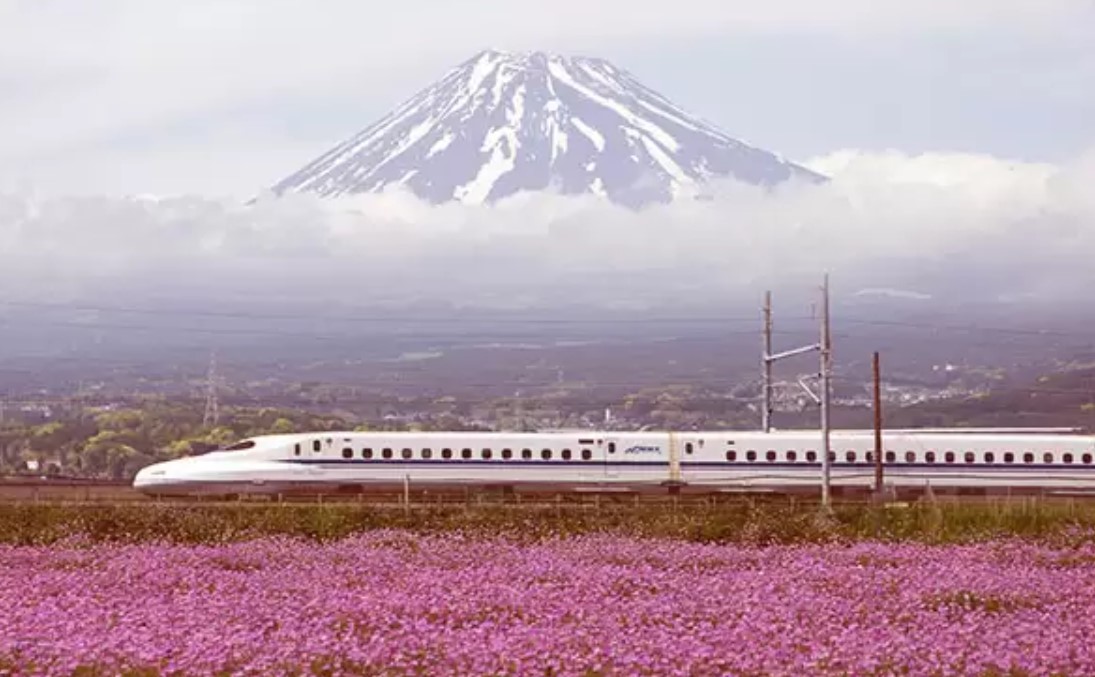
396,603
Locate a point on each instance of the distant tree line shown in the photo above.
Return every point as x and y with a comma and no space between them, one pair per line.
115,442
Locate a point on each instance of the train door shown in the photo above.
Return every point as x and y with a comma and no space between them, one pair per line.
611,455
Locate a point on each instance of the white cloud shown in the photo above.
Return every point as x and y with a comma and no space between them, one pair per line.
968,171
942,225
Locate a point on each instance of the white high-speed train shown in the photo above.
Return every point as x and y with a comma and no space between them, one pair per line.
709,461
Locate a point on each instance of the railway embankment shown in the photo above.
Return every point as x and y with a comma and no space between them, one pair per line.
749,521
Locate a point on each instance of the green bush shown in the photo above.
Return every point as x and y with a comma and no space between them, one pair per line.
754,523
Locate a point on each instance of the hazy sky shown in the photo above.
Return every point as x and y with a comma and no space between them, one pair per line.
224,97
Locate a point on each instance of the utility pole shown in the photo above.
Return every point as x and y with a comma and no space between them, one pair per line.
766,415
826,396
877,426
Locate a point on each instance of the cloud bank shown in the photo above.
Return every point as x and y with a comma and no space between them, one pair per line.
947,226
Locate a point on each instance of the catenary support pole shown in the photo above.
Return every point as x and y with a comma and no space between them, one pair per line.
766,413
877,425
826,396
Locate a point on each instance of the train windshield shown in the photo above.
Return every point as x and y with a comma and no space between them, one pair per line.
240,446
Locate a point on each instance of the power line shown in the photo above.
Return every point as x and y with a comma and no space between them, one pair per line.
456,317
98,326
463,317
493,337
908,324
454,334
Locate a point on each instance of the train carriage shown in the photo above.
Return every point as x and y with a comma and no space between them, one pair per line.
604,460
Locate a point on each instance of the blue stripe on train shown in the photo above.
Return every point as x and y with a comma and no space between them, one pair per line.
685,465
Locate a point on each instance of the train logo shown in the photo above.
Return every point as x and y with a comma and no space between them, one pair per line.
643,449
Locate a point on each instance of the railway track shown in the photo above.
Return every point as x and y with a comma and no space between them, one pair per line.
122,493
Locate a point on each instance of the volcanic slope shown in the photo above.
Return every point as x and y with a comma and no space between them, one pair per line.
501,123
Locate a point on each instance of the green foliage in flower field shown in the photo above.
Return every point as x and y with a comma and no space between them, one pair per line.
740,522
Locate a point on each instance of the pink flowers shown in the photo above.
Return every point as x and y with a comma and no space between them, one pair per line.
406,604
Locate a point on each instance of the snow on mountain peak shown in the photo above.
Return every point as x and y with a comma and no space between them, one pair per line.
505,122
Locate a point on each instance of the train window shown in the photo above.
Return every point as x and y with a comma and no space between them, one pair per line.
811,456
387,453
427,453
891,457
465,453
688,448
1067,458
526,454
949,457
446,453
587,455
750,455
546,454
930,457
1009,457
850,456
315,445
910,457
731,455
612,447
240,446
832,457
296,449
870,456
990,457
507,454
347,453
792,456
970,458
1028,457
407,453
770,456
366,453
566,454
1047,457
486,453
1086,459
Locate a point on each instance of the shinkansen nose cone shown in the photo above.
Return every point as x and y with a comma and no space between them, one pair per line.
158,478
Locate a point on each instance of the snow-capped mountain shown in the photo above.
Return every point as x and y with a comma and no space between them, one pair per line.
501,123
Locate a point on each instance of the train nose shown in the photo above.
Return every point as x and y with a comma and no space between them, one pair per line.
150,477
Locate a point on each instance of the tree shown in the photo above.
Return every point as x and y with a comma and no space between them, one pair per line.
282,426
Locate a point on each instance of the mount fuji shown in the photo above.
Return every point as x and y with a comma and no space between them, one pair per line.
501,123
